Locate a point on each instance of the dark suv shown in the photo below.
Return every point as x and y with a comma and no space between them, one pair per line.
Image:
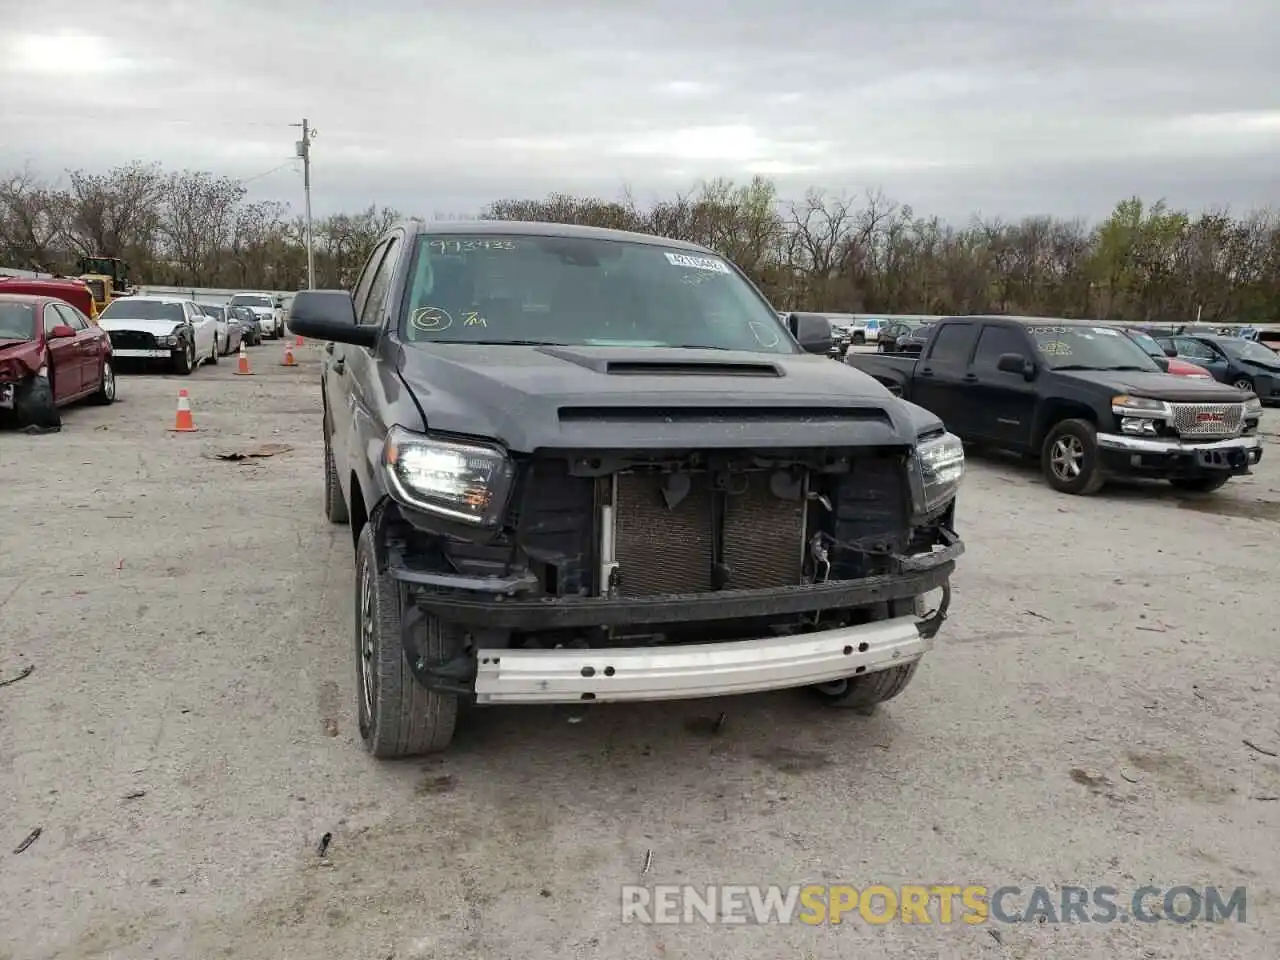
587,465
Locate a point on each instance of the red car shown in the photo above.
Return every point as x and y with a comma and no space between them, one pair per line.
50,356
1174,365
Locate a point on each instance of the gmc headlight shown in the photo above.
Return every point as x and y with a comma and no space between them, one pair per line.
469,482
1127,406
1253,407
938,466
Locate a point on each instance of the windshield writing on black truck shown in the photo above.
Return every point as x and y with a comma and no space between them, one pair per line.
582,292
1089,348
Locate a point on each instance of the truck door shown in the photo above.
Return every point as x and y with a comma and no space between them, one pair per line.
943,380
341,365
1003,403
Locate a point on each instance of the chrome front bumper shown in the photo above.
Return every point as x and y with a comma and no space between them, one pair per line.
696,670
141,354
1128,444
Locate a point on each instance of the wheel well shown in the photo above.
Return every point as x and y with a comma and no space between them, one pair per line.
359,515
1054,412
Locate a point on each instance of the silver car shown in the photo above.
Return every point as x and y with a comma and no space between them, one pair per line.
229,332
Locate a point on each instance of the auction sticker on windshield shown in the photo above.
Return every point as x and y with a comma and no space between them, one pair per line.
698,263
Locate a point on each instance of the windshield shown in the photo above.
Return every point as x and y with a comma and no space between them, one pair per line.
582,292
1249,350
218,313
17,321
1089,348
131,309
247,300
1147,343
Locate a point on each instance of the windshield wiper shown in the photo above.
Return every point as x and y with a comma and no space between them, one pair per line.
1135,369
1076,366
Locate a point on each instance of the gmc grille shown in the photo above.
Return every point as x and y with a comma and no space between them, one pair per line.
1207,419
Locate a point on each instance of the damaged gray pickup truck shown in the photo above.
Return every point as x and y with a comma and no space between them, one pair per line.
587,465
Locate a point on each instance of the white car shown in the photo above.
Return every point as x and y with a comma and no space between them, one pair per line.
264,307
161,328
229,331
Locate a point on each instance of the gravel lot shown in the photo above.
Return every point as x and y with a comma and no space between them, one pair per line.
187,734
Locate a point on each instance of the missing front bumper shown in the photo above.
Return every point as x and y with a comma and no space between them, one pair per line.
696,670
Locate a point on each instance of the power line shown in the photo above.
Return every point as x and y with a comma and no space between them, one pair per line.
259,176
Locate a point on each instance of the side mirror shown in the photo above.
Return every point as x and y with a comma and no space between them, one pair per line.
1170,351
329,315
812,333
1016,363
61,332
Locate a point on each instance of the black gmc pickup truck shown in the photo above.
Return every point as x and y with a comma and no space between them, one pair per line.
1081,397
585,465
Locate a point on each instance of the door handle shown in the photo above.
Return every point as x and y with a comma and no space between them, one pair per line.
927,372
970,378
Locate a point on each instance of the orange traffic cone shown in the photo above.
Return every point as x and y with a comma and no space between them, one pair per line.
288,360
297,340
243,370
183,423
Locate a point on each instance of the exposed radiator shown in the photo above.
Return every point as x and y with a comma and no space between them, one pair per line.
662,550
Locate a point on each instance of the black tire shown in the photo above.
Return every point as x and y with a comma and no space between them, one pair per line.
335,507
1243,383
859,339
864,692
34,406
1199,484
1075,440
213,354
403,719
106,392
185,360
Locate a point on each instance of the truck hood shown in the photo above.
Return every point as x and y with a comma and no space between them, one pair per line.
158,328
1159,386
549,398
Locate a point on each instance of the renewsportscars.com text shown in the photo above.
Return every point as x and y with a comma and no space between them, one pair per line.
877,904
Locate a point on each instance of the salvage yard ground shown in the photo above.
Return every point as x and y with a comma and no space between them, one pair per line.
186,737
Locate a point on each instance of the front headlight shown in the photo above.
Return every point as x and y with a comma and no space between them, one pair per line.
1253,407
1127,406
166,341
938,466
469,482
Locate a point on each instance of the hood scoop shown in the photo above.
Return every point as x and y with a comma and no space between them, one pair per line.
666,363
697,413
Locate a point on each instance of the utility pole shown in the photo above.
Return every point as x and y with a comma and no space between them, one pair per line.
304,151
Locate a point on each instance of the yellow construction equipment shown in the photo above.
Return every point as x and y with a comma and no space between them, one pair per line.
107,277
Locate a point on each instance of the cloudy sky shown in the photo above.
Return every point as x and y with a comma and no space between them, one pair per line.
1005,107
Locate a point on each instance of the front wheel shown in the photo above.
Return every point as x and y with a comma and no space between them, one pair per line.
1069,458
398,717
213,353
185,361
865,691
34,404
1199,484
